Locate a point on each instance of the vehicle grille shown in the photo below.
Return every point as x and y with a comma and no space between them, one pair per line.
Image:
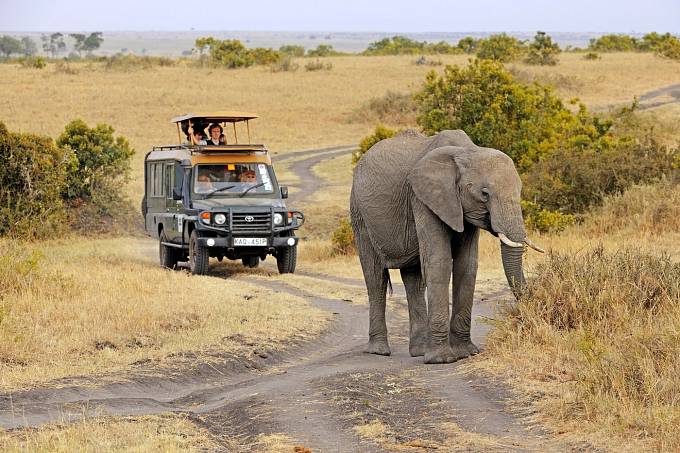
261,221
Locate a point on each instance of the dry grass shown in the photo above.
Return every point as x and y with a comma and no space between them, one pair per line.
167,433
89,307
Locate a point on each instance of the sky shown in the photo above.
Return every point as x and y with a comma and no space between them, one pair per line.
626,16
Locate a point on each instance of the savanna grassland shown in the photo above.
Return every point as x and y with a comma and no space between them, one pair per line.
89,307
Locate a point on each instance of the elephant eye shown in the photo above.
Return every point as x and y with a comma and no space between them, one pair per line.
485,194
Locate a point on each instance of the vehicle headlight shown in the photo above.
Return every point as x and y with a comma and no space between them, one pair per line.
278,219
220,219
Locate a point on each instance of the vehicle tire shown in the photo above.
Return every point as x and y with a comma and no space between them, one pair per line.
251,261
199,258
286,258
169,256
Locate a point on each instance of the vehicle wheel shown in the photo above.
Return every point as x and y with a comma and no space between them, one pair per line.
286,259
169,256
198,256
251,261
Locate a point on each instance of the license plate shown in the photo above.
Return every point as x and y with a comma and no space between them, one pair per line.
250,241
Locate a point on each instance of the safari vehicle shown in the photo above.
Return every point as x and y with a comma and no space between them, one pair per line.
220,201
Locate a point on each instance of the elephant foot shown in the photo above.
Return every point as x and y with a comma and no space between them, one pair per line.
379,347
444,354
465,348
417,345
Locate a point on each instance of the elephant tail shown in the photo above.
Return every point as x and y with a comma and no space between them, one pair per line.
386,276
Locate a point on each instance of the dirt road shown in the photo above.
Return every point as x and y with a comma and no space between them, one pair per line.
325,395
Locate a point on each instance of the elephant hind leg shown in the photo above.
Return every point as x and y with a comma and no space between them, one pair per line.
377,280
417,310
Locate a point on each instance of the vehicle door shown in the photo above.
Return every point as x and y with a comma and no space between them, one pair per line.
171,206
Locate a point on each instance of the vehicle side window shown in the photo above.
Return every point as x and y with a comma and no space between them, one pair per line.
168,178
157,180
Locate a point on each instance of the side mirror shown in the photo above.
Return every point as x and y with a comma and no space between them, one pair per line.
284,191
176,193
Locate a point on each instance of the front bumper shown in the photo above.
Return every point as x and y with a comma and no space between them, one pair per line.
227,242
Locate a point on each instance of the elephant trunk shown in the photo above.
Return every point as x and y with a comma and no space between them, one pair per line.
512,265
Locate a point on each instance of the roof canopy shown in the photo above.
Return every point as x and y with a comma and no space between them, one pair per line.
216,116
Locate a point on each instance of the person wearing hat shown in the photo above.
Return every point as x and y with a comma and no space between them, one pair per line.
215,135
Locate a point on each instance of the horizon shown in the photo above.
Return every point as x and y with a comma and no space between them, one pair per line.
353,16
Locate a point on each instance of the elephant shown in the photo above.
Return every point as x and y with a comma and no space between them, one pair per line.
417,204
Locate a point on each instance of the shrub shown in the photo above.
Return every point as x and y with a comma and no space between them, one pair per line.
343,239
380,133
32,179
669,48
592,56
292,50
605,328
318,65
574,179
265,56
102,161
323,50
500,47
391,108
544,220
526,121
287,64
613,43
542,51
33,62
468,44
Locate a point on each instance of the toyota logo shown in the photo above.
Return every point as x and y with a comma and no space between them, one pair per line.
249,218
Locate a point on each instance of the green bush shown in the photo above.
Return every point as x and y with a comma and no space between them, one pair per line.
32,179
592,56
542,51
231,53
102,161
343,239
526,121
468,44
380,133
401,45
323,50
669,49
500,47
613,43
574,179
33,62
544,220
292,50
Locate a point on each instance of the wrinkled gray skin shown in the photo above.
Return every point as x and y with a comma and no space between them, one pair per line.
417,205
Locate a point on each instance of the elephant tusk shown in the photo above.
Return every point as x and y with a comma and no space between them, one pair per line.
504,239
533,246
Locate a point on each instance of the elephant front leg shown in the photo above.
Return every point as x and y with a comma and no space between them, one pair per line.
434,242
464,279
417,310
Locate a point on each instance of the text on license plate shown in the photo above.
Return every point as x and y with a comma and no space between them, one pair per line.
250,241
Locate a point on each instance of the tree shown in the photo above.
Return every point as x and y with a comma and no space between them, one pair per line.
102,161
468,44
10,45
292,50
32,178
499,47
542,51
613,43
322,50
29,46
527,122
79,39
53,43
93,41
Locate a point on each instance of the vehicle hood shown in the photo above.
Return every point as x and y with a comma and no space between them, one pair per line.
212,203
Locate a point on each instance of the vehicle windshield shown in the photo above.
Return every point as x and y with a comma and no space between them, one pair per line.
232,179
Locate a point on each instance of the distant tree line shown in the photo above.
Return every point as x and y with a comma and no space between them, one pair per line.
53,44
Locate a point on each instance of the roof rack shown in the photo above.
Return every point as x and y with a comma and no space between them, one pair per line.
220,117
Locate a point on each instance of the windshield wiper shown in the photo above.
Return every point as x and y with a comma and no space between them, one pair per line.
250,188
221,189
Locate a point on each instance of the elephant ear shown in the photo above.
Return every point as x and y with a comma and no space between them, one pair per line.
434,181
